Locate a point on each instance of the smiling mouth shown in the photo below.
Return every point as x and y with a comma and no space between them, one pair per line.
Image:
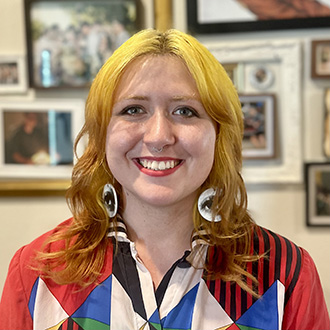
158,165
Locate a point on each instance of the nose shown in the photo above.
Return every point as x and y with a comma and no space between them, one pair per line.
159,131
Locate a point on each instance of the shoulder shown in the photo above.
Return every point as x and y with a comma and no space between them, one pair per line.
281,255
29,251
24,258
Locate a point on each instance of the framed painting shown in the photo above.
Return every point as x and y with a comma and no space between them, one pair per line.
13,77
317,179
36,140
321,59
213,16
259,126
69,41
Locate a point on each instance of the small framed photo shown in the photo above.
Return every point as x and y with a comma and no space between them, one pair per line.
13,77
36,138
321,59
259,126
235,72
69,41
261,77
317,178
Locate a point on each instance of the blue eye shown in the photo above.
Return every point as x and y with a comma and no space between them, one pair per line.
132,111
186,112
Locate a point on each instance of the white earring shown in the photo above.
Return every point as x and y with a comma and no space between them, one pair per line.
110,199
205,201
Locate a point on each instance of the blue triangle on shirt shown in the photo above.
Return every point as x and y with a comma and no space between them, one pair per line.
263,314
95,306
154,318
180,317
33,295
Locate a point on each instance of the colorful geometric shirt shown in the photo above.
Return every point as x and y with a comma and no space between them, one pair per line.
290,293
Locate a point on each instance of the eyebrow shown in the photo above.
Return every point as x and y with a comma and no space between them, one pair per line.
146,98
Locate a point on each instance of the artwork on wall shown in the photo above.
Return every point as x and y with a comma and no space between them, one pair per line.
320,59
36,139
13,77
326,134
213,16
68,41
259,126
261,77
284,59
317,178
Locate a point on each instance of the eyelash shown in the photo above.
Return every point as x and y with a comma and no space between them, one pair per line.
193,113
126,111
138,110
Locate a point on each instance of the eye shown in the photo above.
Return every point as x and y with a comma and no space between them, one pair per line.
186,112
132,111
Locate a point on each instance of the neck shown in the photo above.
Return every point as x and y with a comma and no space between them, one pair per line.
161,233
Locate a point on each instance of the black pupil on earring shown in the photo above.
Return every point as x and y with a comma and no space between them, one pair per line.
207,203
108,200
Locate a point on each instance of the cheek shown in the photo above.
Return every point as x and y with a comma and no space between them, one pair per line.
119,141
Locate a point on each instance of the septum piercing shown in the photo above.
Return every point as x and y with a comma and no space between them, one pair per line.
157,149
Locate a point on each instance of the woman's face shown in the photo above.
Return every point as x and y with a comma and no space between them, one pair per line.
157,106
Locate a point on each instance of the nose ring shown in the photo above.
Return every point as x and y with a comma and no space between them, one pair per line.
157,149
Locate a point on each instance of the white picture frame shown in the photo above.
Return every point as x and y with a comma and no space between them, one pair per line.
49,154
13,76
287,166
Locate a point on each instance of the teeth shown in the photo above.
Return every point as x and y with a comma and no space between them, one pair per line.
158,166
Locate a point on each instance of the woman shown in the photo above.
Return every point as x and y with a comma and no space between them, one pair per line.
160,236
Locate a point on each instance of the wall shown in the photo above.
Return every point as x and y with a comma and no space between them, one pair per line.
279,207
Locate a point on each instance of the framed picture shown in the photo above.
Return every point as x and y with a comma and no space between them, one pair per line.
259,126
12,74
69,41
213,16
36,139
326,134
235,72
284,58
317,178
261,77
321,59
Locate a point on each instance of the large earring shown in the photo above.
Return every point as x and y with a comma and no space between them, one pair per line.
110,199
205,201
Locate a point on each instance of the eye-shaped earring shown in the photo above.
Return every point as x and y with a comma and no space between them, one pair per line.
110,199
205,201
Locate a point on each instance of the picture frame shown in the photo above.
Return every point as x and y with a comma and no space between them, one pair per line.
235,72
259,126
36,139
13,78
226,16
284,56
320,67
261,77
317,180
69,41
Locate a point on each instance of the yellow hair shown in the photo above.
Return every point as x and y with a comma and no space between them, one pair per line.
88,232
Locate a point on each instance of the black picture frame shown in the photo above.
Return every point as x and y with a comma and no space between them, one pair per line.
317,182
195,27
57,56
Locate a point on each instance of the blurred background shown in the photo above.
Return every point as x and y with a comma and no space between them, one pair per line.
281,65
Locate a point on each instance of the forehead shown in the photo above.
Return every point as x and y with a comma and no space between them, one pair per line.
156,72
